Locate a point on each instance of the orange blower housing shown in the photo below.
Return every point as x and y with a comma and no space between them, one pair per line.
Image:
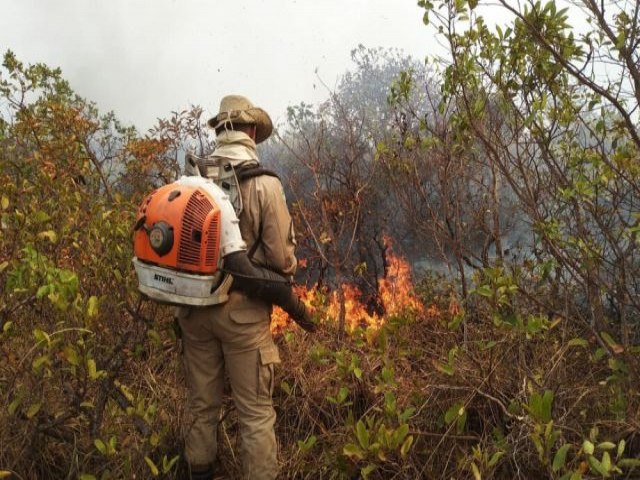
178,227
177,243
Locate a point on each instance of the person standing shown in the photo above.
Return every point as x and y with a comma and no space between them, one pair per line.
235,336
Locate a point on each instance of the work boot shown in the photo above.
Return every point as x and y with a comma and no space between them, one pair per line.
201,472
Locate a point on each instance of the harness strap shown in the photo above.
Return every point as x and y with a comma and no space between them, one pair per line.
245,173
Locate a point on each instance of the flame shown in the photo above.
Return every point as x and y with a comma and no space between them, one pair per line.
395,291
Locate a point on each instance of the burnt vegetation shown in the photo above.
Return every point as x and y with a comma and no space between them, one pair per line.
468,235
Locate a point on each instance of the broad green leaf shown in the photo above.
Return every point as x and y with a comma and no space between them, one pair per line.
588,447
343,393
33,410
91,369
286,388
365,471
606,446
15,403
154,439
484,291
454,411
352,450
100,445
597,467
41,336
560,457
362,434
495,457
92,306
4,202
49,235
578,342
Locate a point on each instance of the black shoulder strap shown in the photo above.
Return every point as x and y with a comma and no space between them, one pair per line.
245,173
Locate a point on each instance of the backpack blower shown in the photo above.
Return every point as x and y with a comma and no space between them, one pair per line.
189,251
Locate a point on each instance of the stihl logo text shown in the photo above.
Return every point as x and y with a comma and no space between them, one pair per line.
163,279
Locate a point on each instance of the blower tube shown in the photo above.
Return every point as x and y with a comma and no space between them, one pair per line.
267,285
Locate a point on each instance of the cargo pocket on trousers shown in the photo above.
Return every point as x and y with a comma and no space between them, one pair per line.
269,357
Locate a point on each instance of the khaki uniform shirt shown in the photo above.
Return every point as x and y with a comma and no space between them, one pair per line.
265,218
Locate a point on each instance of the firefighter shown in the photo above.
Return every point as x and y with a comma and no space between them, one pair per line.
235,336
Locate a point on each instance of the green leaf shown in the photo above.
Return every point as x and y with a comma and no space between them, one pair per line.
285,387
454,411
92,369
606,446
41,336
362,434
92,306
353,451
3,266
4,202
152,466
406,446
615,346
560,457
154,439
484,291
578,342
49,235
621,445
167,464
15,403
343,393
475,471
446,369
41,217
87,476
33,410
365,471
495,457
597,467
588,447
100,445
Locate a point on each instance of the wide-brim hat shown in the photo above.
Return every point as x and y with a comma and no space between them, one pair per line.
236,109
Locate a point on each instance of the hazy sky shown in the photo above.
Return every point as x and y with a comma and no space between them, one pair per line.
145,58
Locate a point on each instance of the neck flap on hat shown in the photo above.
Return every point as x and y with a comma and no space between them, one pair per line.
236,146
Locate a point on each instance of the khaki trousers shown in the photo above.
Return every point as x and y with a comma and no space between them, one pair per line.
234,337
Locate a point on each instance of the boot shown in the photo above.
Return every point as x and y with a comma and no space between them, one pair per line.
201,473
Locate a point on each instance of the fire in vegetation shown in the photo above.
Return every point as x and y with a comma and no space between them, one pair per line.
395,291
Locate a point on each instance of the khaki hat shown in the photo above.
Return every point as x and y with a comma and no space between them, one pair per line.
238,109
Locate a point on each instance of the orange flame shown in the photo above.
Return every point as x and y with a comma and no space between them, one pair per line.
395,291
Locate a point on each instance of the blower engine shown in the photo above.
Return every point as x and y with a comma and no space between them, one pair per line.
189,251
182,232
